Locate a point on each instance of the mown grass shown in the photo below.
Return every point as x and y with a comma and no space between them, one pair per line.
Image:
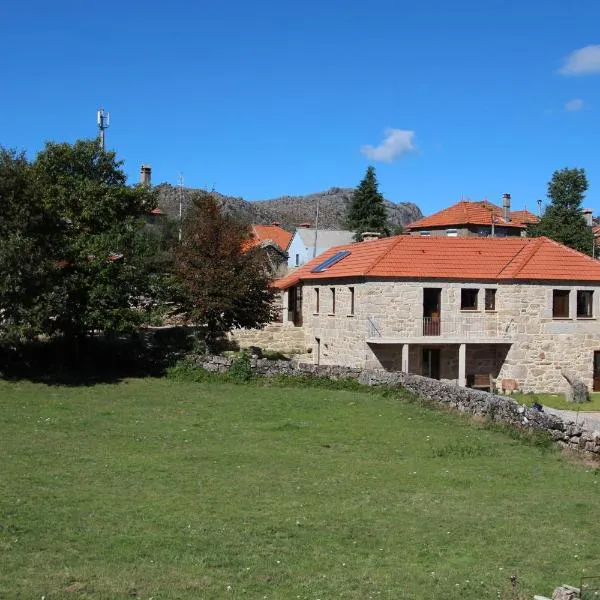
154,488
559,401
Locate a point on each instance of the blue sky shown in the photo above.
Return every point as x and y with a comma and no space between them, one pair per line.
268,98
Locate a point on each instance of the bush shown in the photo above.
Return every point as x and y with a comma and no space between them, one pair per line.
241,369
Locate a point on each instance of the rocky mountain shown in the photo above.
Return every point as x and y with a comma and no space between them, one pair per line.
289,211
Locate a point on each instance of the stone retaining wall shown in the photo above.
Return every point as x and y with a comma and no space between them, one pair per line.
500,409
274,336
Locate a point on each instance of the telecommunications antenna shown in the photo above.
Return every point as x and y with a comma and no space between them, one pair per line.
103,124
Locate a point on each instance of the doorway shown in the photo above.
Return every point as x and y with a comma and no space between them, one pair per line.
431,363
596,386
432,306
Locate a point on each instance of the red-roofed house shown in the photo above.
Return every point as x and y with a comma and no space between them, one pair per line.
521,310
274,240
269,233
467,218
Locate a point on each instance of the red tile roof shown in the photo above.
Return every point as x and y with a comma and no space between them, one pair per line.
261,233
462,258
473,213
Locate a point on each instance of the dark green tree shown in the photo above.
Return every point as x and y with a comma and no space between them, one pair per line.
367,211
225,286
25,242
93,219
563,219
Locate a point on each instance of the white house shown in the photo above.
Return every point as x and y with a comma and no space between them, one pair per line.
523,311
302,247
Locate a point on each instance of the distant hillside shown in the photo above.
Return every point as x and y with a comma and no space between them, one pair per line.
290,211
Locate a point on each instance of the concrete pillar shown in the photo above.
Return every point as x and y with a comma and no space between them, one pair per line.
405,349
462,365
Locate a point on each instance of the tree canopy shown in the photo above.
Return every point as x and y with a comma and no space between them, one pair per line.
563,219
224,286
367,211
68,257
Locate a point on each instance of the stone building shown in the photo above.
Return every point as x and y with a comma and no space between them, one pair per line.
273,240
481,219
523,311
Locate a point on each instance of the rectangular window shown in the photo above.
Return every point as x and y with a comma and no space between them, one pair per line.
490,299
424,233
560,304
297,259
468,299
351,300
317,300
584,303
452,232
333,301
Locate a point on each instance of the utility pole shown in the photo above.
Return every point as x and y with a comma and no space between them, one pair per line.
180,204
103,123
316,226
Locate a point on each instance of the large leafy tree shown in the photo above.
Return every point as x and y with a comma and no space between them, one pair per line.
68,254
367,211
224,286
563,219
25,242
94,284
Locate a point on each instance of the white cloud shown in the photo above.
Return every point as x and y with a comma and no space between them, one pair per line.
584,61
574,105
396,143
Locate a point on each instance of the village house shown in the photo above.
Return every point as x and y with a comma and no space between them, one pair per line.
521,311
308,242
274,240
468,218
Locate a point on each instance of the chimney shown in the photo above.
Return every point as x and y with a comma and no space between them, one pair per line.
506,206
146,175
369,236
587,215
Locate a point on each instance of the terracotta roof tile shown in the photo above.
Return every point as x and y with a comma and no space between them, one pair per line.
463,258
473,213
261,233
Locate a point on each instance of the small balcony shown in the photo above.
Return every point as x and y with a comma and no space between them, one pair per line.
477,328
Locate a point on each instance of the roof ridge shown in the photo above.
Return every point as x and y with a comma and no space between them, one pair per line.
386,248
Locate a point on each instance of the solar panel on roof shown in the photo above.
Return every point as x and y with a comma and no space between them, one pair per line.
330,261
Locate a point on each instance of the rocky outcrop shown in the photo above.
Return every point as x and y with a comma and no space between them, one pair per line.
289,211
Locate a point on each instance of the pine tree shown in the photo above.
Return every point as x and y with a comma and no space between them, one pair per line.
563,219
367,211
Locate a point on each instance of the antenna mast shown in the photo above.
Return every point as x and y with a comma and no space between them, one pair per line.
316,227
103,123
180,204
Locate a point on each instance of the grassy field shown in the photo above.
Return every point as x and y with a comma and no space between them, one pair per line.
159,489
559,401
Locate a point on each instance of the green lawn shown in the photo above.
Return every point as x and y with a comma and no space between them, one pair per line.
559,401
159,489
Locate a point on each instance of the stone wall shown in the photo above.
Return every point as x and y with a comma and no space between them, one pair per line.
538,348
500,409
275,337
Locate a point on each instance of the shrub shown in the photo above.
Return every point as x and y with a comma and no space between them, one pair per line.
241,369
